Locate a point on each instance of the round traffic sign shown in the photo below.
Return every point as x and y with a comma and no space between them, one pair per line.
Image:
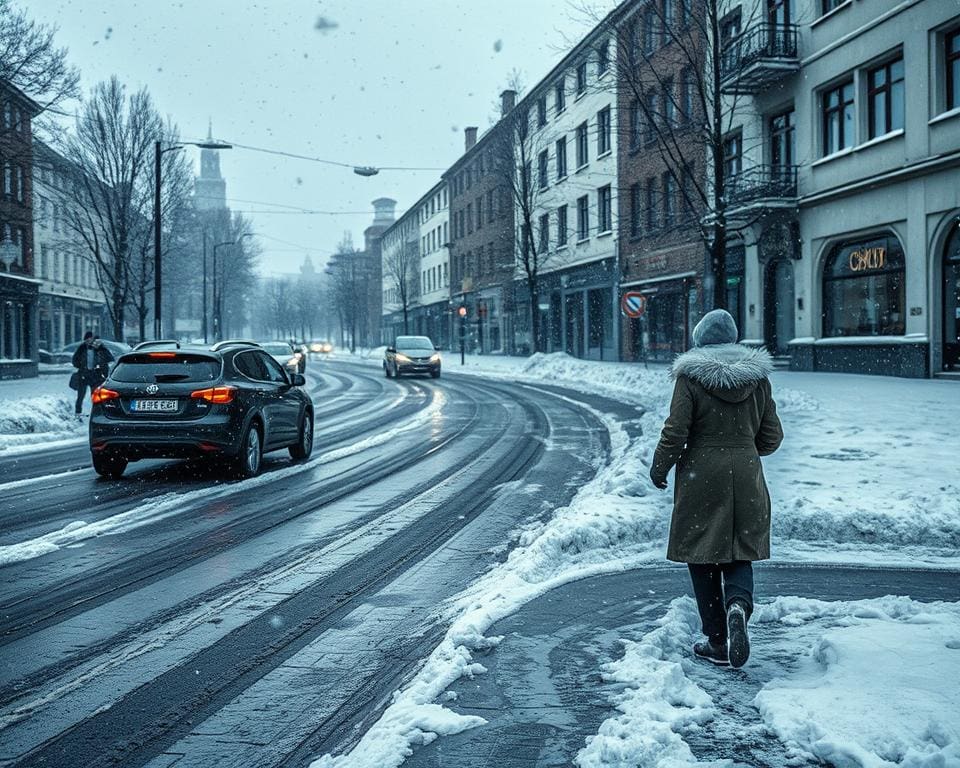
633,304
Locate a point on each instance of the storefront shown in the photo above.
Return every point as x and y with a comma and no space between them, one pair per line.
950,285
18,323
864,312
432,320
665,330
588,304
63,320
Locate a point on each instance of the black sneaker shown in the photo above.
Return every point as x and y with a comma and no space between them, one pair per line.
738,642
715,654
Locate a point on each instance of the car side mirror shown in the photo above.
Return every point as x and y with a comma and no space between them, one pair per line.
391,350
298,379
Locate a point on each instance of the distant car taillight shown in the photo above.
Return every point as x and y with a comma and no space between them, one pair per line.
102,395
218,395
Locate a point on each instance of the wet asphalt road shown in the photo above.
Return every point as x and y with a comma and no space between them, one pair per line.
261,622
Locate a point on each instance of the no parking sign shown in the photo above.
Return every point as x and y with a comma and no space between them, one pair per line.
633,304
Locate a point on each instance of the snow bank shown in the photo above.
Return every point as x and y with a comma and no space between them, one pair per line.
872,683
31,421
861,477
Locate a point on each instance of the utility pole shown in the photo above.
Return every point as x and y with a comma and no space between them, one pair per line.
205,340
463,333
157,326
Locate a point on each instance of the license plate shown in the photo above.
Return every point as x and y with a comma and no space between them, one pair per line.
141,406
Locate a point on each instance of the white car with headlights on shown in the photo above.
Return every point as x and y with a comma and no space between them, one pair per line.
411,354
292,361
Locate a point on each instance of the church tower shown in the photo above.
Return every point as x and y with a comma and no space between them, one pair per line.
210,189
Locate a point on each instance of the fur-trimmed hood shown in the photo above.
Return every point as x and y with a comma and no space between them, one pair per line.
729,371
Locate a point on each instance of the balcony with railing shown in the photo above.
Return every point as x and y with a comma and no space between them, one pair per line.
763,186
758,58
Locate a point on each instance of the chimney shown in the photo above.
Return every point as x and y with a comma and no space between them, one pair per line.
508,100
470,138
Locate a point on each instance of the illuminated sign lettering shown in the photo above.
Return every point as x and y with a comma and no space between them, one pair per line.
863,259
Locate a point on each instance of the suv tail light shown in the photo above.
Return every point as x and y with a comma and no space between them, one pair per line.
102,395
218,395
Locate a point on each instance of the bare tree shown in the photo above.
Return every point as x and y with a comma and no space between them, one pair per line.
31,61
516,147
687,121
349,277
401,265
111,153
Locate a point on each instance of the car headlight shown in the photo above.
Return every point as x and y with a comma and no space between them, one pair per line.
293,362
435,358
402,358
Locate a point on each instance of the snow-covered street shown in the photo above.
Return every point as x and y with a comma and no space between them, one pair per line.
537,622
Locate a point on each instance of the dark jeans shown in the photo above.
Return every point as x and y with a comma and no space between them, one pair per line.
86,381
715,586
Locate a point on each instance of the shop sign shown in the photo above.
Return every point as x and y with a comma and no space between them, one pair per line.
868,258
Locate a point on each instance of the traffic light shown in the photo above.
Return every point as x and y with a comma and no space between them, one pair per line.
462,311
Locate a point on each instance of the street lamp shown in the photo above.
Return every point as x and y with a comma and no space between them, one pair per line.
158,152
218,294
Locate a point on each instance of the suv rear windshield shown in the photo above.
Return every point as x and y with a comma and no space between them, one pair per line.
147,369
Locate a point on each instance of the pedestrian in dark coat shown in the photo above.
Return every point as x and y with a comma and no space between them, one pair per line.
722,420
92,360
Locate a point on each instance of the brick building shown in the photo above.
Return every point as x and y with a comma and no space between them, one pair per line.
482,237
662,254
19,291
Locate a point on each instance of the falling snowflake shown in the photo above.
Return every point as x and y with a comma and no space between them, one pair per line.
324,25
498,46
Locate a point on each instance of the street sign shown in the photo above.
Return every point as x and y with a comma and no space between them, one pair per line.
633,304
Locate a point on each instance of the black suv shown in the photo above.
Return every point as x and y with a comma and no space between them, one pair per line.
231,400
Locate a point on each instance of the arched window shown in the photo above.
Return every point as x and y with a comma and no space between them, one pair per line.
864,289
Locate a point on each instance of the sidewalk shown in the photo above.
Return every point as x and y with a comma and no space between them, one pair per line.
601,669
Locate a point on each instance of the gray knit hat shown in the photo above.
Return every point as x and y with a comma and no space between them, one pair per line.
716,327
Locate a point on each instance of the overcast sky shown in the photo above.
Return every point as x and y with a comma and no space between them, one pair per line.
365,82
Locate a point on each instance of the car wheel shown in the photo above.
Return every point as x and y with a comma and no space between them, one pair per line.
386,370
109,465
304,446
435,374
251,452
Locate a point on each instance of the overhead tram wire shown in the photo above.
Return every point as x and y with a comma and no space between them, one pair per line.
337,163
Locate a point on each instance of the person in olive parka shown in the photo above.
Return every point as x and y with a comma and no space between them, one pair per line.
722,420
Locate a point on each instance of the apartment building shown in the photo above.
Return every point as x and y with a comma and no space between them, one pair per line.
482,241
660,61
568,154
71,300
400,273
432,315
19,291
844,156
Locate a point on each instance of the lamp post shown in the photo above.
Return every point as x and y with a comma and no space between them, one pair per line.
218,287
158,152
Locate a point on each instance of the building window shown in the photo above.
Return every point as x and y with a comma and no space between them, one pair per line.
21,187
542,111
651,204
782,129
864,289
583,218
562,225
582,149
561,159
13,331
604,213
542,169
838,117
581,77
732,155
635,124
730,28
687,85
829,5
490,213
651,116
544,244
560,96
686,192
636,203
603,57
527,178
649,31
669,14
885,98
7,179
603,131
469,218
951,58
669,103
480,212
669,199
